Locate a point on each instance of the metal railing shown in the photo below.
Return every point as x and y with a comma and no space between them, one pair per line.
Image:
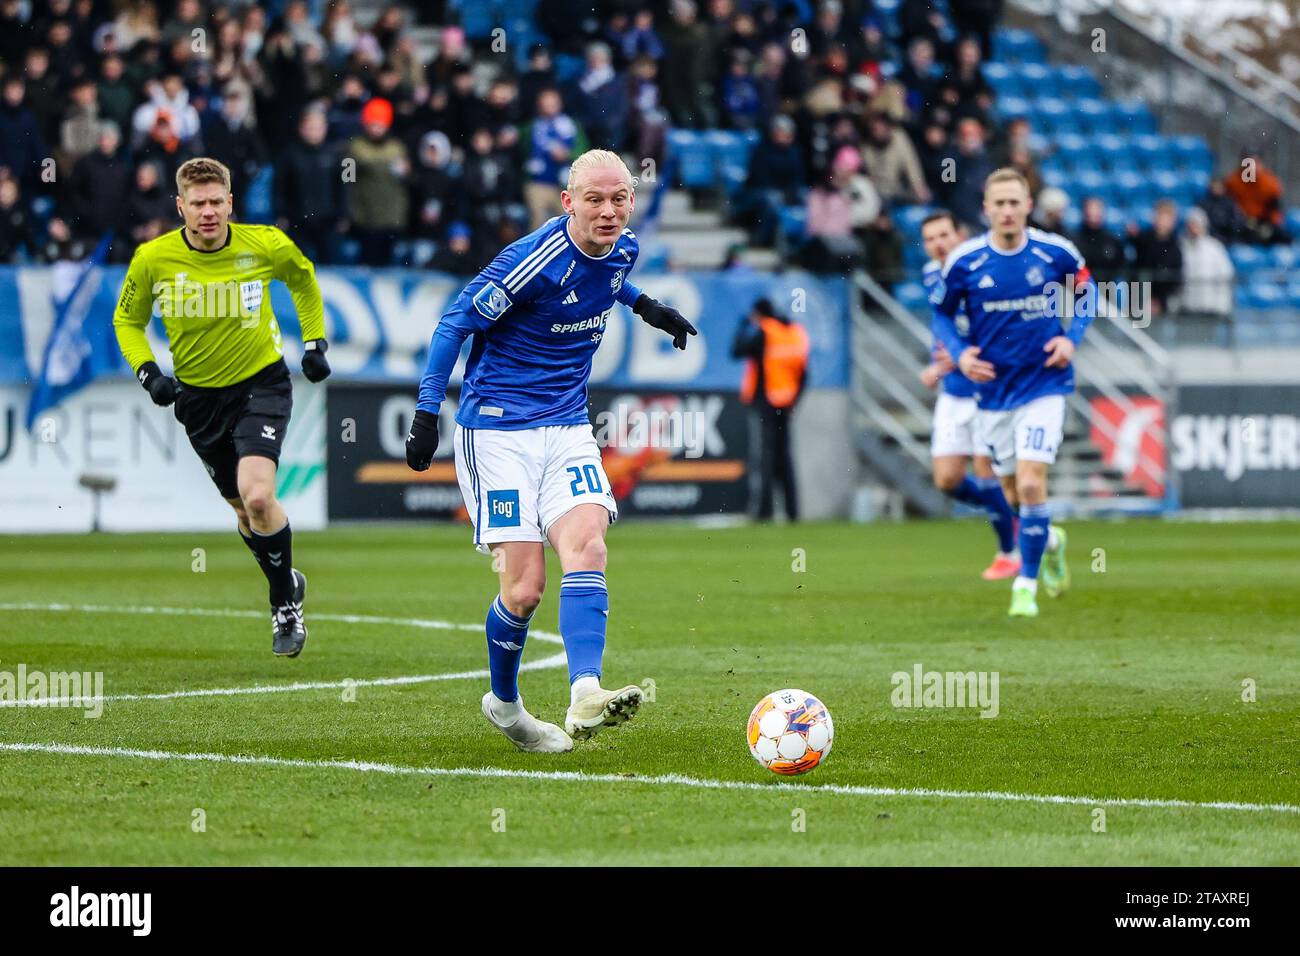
891,346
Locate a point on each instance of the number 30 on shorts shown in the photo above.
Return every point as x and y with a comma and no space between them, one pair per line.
588,475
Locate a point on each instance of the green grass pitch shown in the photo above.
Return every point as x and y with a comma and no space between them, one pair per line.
1128,689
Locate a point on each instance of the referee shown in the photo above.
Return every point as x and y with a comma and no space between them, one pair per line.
208,282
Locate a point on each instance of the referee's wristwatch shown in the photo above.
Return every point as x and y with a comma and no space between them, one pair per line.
314,364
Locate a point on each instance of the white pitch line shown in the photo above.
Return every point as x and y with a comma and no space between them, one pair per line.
664,780
555,660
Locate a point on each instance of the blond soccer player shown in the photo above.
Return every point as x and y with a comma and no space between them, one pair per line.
528,464
208,282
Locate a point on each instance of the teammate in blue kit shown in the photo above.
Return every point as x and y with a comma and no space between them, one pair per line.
526,459
952,436
1013,284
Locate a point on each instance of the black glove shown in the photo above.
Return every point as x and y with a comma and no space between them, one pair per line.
161,388
422,440
314,365
664,317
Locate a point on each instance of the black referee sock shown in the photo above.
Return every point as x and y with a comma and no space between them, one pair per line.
274,553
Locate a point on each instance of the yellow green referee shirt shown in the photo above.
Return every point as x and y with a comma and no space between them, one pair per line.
216,306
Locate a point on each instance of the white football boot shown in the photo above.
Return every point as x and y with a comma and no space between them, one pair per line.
602,708
527,732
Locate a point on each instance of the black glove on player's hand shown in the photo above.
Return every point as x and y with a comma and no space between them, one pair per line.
664,317
422,440
314,364
161,388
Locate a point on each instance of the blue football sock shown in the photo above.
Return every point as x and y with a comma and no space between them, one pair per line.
506,634
1001,517
968,492
1034,523
584,608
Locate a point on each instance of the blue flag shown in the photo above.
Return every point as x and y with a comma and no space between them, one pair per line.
81,343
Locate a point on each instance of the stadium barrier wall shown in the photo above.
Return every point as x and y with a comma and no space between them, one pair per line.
379,323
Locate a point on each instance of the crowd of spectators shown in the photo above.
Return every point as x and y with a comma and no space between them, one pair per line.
382,149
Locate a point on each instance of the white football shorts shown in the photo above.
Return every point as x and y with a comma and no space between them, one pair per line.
1032,432
516,484
952,430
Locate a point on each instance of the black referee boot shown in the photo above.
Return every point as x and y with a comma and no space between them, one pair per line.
287,625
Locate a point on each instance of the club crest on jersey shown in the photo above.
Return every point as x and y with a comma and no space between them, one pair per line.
1034,276
492,302
616,283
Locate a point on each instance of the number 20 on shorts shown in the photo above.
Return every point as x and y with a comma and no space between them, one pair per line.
588,475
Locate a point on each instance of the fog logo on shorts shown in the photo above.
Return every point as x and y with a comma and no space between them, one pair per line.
503,509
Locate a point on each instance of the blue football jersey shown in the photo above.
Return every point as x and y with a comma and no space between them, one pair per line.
954,383
536,314
1013,302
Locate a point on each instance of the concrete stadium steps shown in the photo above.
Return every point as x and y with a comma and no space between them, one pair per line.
695,238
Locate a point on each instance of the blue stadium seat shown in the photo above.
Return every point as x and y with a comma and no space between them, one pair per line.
1092,114
1115,220
257,200
1165,184
730,151
1017,46
1004,80
1247,259
1055,174
1072,218
1281,258
695,166
1038,79
1142,215
1011,107
913,255
792,222
1195,184
1077,82
1074,149
1263,294
1293,221
912,296
1112,150
1122,162
908,220
478,19
1090,182
1053,115
1293,293
1151,152
1130,187
1133,116
1190,152
568,67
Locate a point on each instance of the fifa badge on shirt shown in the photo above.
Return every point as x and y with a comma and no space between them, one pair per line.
250,296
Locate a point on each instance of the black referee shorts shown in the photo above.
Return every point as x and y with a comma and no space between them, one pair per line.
231,422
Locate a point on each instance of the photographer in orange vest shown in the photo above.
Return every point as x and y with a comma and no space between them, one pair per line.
776,349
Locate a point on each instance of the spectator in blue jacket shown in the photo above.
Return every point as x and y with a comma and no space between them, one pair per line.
553,136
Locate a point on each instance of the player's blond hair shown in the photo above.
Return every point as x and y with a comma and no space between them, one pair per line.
1007,174
201,169
598,159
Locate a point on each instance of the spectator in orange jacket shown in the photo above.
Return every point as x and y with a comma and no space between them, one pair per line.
1258,194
